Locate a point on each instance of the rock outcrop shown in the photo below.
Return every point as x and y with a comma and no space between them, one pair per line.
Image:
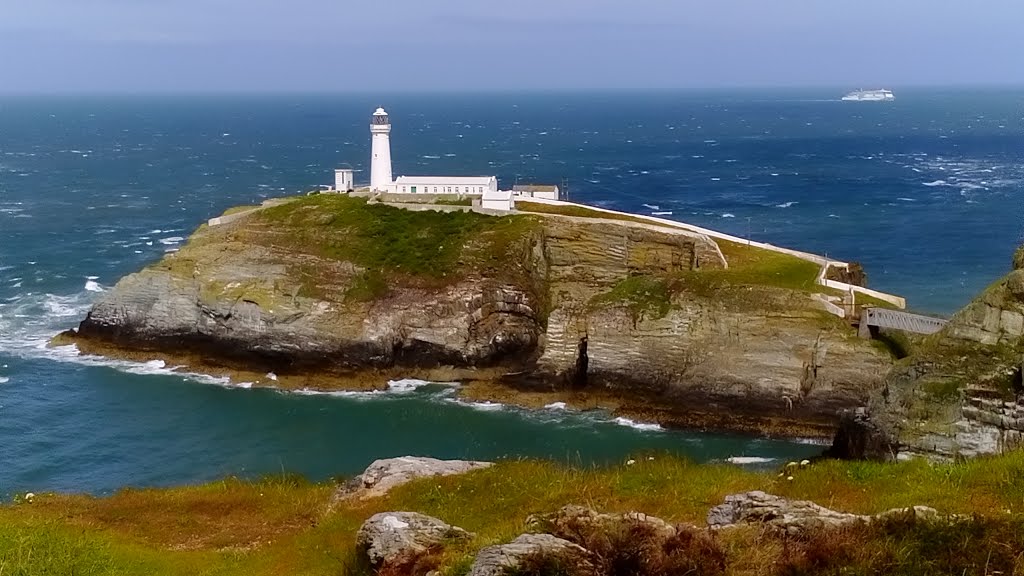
499,559
397,539
795,517
959,394
571,521
383,475
551,303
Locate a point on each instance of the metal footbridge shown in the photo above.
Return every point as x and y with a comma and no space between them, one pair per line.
898,320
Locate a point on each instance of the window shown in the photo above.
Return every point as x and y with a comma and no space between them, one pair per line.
435,189
456,189
403,188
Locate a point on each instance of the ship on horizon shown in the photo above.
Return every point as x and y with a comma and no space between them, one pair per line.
869,96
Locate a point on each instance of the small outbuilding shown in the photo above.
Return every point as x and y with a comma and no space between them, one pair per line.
497,200
545,191
344,180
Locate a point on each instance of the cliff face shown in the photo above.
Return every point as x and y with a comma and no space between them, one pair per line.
960,394
644,313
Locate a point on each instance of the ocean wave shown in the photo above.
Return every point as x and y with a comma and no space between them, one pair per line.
556,406
486,406
785,204
936,183
728,215
92,286
171,240
4,379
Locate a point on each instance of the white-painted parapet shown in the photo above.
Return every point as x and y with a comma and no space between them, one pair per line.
380,151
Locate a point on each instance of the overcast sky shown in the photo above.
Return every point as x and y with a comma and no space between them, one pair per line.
334,45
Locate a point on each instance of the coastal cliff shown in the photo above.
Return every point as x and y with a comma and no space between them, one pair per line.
959,394
327,291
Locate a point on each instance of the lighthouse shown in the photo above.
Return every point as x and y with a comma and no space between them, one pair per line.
380,155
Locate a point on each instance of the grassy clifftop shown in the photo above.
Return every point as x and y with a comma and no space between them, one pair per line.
283,525
426,243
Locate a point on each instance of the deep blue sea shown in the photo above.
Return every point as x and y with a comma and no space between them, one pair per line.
926,192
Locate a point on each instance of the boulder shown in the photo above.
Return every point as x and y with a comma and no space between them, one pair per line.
395,539
497,560
572,521
795,517
789,516
383,475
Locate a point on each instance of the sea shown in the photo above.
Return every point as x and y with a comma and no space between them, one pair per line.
925,192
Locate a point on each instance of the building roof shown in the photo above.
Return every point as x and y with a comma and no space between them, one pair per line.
447,180
535,188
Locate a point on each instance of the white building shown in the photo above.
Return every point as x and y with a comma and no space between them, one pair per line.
497,200
344,180
445,184
536,191
381,179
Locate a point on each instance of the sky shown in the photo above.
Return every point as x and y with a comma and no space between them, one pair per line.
462,45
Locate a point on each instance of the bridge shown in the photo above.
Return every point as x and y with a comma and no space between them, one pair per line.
897,320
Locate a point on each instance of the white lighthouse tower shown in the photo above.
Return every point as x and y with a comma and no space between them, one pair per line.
380,158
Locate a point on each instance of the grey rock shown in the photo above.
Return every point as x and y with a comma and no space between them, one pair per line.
496,560
795,517
570,520
789,516
383,475
399,538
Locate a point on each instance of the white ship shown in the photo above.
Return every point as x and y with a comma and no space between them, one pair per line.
869,96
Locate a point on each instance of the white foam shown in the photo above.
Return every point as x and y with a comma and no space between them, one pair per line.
661,213
728,215
92,286
645,426
937,183
907,199
652,206
486,406
406,385
556,406
4,379
171,240
748,460
785,204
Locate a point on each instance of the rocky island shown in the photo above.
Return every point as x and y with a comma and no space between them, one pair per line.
328,291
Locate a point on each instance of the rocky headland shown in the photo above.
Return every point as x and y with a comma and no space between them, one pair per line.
958,394
331,291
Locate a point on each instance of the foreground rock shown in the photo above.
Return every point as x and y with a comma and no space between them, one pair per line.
571,521
628,310
397,539
383,475
497,560
959,394
794,517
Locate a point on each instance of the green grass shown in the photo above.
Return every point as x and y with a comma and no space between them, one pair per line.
417,243
283,526
642,295
582,212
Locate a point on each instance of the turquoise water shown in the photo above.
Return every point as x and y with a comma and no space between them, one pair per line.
925,192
